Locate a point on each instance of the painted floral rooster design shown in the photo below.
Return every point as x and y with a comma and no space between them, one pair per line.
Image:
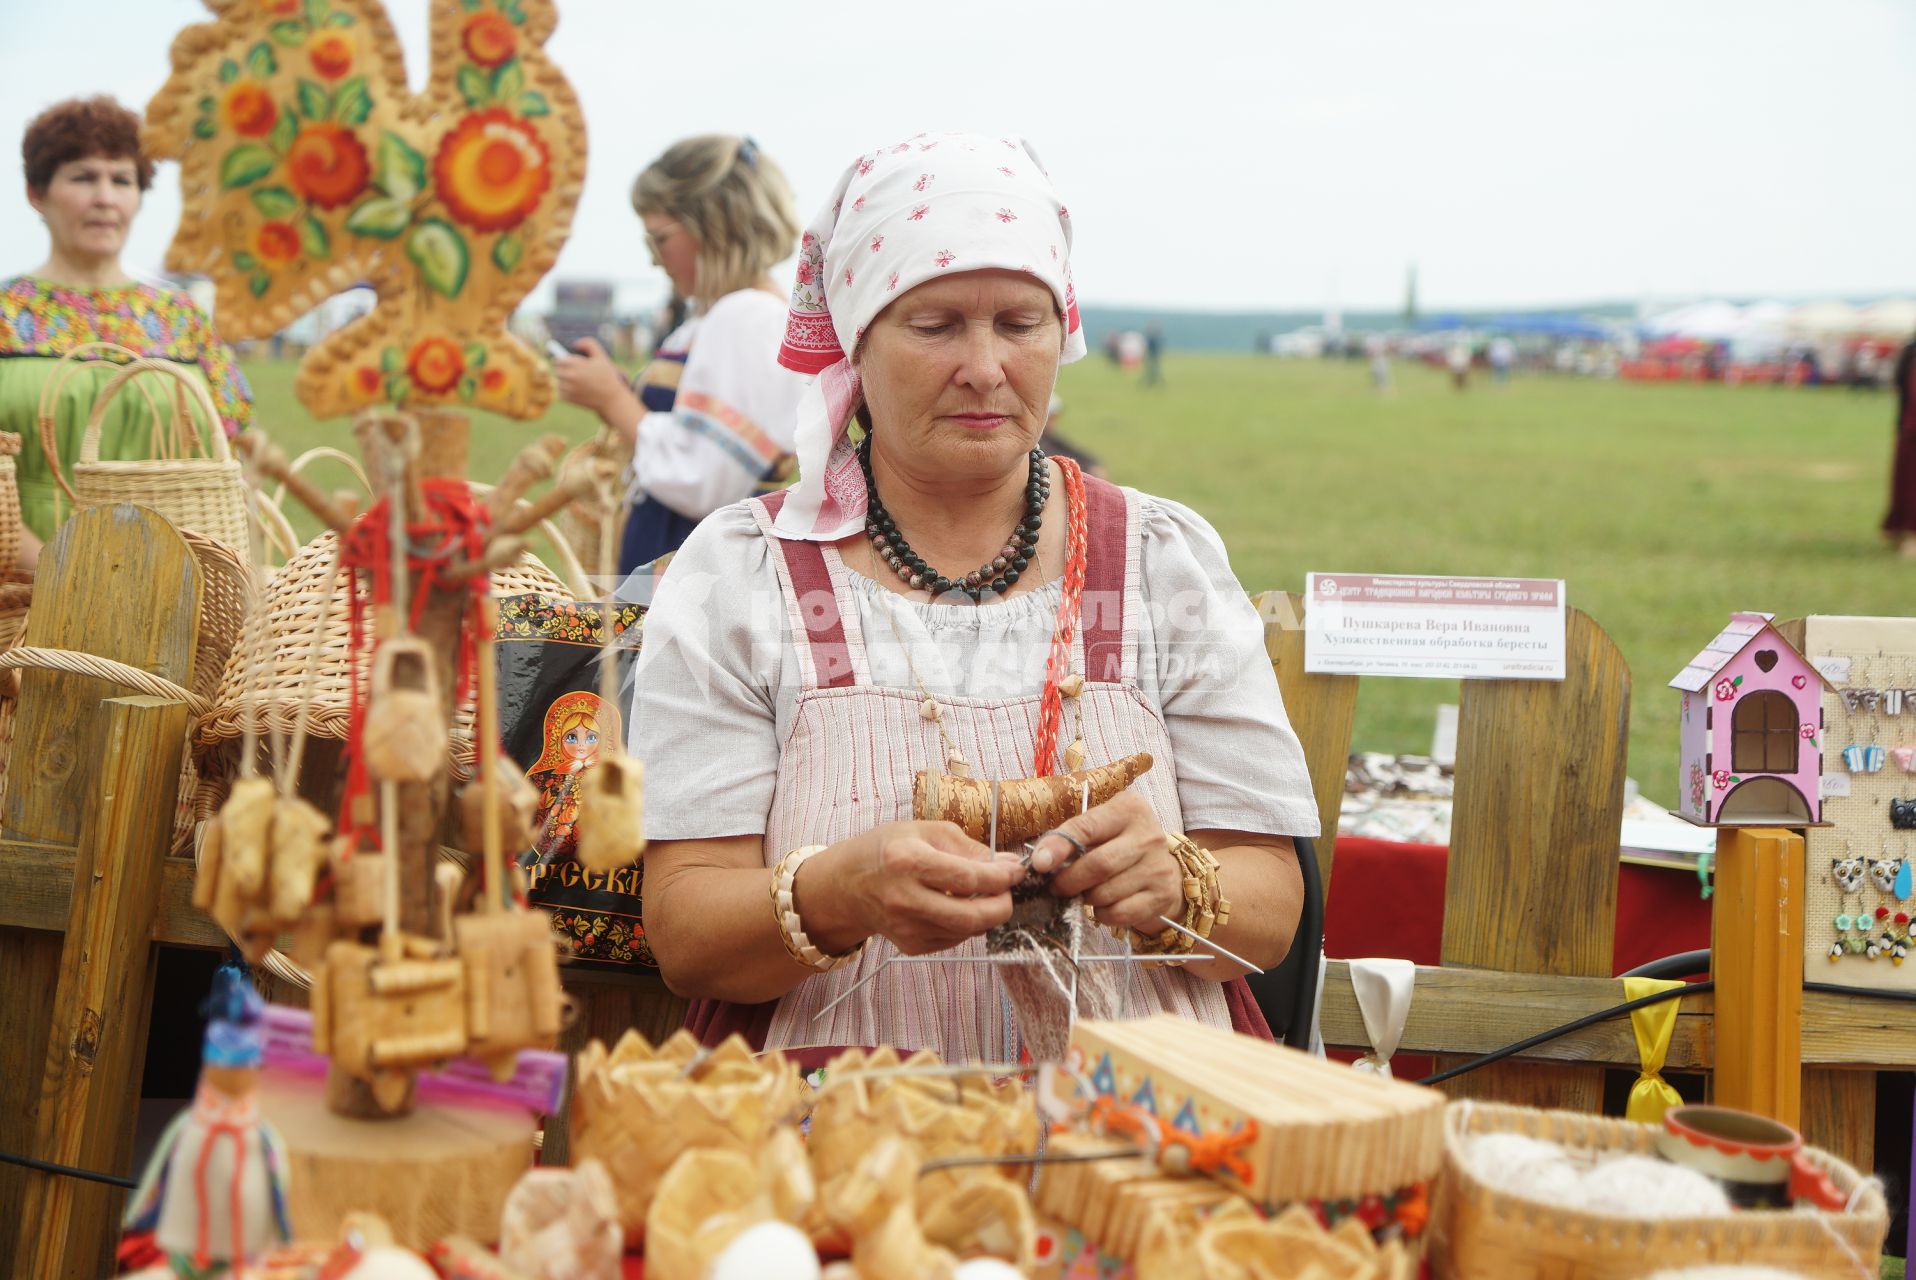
308,166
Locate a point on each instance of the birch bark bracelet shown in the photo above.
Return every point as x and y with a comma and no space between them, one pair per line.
791,930
1205,906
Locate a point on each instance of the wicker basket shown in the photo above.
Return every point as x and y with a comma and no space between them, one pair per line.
205,494
10,443
284,629
1481,1231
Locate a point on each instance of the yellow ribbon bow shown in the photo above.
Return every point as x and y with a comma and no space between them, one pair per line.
1653,1024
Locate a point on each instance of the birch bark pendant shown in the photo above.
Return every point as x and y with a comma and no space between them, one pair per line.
1074,756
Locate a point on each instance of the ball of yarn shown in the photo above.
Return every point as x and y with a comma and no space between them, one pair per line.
987,1269
1646,1187
1524,1166
767,1251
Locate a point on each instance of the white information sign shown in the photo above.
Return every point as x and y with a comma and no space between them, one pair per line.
1435,628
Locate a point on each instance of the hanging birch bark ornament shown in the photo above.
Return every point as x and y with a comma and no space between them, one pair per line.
612,792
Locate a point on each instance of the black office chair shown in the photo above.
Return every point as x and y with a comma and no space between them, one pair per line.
1287,994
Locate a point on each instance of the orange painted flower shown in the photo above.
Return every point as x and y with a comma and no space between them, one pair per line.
276,242
331,54
327,165
367,380
280,6
491,170
435,365
492,381
489,38
248,109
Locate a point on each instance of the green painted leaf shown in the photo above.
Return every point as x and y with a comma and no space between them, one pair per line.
246,163
470,6
473,85
341,19
355,103
475,355
290,34
229,71
285,129
398,170
512,10
468,388
379,216
439,251
314,102
390,361
533,103
207,104
313,238
507,250
317,11
1737,681
260,60
204,128
244,261
275,202
397,386
508,80
259,284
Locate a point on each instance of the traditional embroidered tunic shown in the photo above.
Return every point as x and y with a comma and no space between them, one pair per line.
41,321
744,731
718,421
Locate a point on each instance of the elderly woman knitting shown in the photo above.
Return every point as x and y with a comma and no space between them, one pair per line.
936,594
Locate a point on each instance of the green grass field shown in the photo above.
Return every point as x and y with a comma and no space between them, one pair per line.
1665,507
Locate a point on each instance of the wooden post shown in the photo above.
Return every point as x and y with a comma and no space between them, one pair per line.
1756,957
1322,709
91,1079
121,583
1532,885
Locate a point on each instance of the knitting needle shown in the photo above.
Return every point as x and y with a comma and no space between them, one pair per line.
1197,937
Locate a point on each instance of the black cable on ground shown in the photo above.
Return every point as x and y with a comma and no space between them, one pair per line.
47,1166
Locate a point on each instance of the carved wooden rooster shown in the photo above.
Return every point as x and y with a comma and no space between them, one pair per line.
308,166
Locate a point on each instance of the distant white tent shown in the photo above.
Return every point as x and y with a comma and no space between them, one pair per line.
1823,320
1704,321
1891,318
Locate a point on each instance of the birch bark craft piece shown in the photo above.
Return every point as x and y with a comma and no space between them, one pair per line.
1027,807
308,166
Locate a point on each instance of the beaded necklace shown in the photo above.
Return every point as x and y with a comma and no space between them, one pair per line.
1060,681
995,575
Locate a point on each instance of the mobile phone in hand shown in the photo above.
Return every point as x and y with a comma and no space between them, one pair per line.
558,350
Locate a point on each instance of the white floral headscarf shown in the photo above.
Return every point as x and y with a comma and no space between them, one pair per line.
935,205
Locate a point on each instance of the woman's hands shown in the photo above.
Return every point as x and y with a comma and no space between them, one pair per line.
926,886
591,381
1127,872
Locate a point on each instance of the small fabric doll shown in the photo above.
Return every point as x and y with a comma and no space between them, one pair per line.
214,1194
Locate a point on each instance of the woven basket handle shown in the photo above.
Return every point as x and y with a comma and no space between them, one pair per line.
82,356
90,664
183,426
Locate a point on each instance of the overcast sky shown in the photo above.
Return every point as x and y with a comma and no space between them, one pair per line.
1233,155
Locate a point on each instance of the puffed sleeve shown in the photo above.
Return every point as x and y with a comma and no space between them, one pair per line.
734,416
704,719
1240,766
232,394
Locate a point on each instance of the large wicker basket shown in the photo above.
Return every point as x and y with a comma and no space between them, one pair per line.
1481,1231
206,494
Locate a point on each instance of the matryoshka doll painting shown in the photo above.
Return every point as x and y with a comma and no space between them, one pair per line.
575,724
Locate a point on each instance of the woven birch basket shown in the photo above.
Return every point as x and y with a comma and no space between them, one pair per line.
1478,1230
194,480
303,669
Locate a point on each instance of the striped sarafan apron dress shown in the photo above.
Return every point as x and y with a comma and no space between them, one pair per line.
847,765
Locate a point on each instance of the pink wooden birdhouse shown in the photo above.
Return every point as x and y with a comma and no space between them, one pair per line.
1752,730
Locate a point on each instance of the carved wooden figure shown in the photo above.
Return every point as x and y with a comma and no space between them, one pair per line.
309,166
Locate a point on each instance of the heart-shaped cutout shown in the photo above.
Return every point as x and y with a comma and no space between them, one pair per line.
1765,659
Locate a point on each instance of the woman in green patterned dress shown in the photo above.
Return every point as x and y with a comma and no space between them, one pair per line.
86,179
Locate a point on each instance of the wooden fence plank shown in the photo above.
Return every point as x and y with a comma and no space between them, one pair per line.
120,583
1839,1113
36,885
1532,883
1756,957
90,1083
1322,710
